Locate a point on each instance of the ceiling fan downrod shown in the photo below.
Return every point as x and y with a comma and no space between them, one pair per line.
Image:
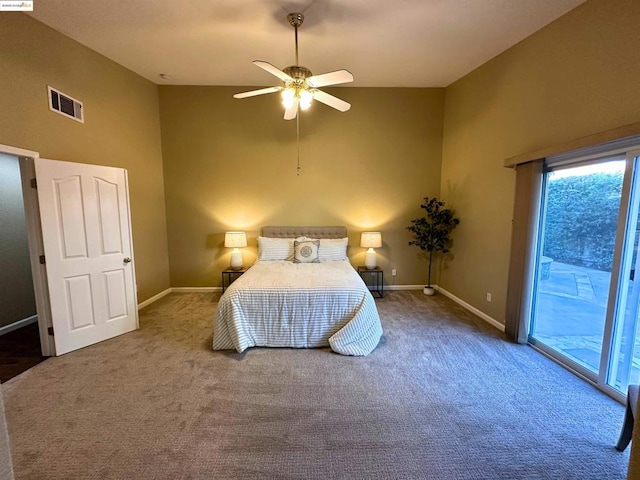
296,19
297,72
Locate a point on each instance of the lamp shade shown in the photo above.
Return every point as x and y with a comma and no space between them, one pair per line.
235,239
371,240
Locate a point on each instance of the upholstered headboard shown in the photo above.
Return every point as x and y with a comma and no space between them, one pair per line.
312,232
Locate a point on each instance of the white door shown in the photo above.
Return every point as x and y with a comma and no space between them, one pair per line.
88,252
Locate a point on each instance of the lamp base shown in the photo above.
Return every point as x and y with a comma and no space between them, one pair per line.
370,259
236,260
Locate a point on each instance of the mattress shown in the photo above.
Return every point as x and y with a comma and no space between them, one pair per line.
300,305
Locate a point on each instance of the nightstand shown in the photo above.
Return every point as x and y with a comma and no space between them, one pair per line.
228,277
374,279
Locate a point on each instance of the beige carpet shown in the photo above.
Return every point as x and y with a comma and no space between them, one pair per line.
442,397
6,468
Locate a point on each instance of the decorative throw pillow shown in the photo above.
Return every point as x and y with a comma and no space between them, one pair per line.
271,249
306,251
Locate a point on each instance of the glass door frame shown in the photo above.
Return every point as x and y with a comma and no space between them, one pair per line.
623,256
631,156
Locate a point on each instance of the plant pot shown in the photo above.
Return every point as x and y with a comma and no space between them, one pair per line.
429,291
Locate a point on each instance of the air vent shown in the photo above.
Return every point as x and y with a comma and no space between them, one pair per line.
65,105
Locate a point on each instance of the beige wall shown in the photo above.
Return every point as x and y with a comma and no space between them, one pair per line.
231,164
17,301
576,77
122,125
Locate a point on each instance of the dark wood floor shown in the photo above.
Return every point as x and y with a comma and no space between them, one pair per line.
19,351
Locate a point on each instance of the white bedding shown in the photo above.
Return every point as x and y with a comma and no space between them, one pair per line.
286,304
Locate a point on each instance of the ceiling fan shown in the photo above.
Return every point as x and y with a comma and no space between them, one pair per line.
301,87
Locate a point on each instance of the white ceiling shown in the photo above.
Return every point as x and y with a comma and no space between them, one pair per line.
384,43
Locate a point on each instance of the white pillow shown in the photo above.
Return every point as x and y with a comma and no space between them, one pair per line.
271,249
333,249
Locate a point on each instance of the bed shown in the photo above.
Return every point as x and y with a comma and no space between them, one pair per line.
301,293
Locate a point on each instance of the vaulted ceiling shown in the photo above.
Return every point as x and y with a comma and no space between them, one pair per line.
401,43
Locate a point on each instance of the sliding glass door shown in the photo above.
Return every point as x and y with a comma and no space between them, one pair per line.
585,304
622,361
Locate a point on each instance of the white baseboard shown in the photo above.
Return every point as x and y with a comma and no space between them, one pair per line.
196,289
490,320
19,324
403,287
155,298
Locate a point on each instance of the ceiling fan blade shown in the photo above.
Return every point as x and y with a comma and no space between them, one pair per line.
331,78
272,70
330,100
253,93
291,112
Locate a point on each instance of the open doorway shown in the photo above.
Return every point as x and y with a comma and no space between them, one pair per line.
20,347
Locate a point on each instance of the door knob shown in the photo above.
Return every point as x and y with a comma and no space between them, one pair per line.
126,260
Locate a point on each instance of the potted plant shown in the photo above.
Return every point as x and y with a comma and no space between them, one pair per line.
432,232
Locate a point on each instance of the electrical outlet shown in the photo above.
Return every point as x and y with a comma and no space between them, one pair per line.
393,272
488,296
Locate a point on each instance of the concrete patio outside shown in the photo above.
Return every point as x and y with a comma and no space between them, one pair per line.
570,318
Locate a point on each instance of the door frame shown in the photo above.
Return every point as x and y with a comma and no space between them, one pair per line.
617,294
26,160
628,154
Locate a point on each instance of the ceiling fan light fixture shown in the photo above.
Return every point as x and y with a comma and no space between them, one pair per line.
288,96
301,87
306,97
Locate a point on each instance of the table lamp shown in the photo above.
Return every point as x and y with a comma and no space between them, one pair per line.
370,240
235,240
